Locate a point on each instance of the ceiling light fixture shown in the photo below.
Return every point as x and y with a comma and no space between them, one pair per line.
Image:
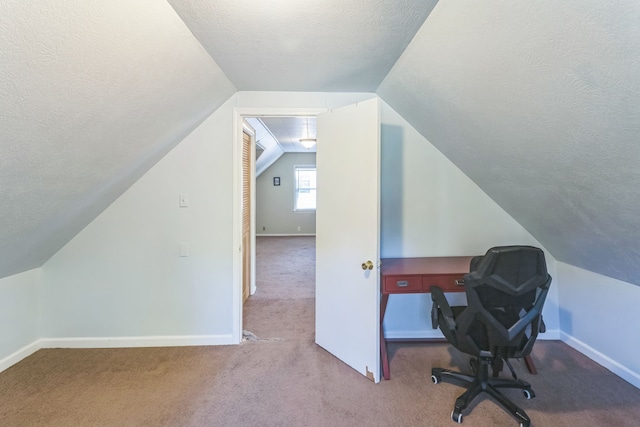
308,142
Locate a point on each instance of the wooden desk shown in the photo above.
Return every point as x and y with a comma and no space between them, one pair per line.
415,276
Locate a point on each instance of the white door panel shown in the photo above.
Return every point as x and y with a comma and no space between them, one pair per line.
347,235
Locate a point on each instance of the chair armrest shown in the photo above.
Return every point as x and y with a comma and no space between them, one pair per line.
475,262
440,302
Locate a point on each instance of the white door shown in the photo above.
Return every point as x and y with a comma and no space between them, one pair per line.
347,235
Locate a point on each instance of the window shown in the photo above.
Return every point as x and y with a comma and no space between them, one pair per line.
305,188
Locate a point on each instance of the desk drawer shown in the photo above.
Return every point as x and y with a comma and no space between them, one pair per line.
400,284
447,282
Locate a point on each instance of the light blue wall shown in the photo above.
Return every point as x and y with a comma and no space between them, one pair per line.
274,204
599,316
19,316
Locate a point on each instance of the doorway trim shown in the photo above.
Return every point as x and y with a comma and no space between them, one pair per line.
239,114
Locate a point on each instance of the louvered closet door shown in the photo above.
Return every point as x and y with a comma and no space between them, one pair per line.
246,215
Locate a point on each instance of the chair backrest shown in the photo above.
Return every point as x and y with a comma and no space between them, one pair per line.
505,296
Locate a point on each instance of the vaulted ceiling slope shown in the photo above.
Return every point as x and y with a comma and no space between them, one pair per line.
305,45
536,101
539,103
92,94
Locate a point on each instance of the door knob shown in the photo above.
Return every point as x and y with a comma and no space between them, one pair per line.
367,265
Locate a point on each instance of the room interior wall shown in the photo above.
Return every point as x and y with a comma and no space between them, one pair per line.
430,208
19,316
122,281
599,316
530,100
274,204
92,95
523,105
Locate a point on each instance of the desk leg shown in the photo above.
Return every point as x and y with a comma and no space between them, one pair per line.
383,343
530,366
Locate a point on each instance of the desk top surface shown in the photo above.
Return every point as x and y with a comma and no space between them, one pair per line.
425,265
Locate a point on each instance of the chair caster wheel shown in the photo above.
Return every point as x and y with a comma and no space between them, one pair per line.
528,394
435,379
456,416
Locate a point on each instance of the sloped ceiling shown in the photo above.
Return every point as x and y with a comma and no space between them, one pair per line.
278,135
288,131
538,102
271,150
305,45
92,94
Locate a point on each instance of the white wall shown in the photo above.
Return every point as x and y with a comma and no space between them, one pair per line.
599,316
530,99
274,204
121,280
19,316
430,208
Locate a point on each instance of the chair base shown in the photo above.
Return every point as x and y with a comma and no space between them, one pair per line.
479,383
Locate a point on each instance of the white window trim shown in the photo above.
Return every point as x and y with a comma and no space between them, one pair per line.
295,187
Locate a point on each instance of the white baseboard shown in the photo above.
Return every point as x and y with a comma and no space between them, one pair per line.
286,235
23,353
202,340
413,335
551,334
115,342
125,342
602,359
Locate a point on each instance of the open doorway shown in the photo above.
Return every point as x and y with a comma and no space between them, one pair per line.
282,188
347,230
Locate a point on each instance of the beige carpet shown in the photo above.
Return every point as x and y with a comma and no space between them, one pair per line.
279,377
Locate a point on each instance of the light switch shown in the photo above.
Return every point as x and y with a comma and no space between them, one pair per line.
184,200
184,249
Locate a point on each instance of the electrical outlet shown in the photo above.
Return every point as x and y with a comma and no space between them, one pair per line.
264,228
299,228
184,200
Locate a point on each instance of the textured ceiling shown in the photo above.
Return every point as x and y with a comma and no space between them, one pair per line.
305,45
266,145
288,131
538,102
92,94
278,135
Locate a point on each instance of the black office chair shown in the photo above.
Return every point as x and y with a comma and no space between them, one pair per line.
502,318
